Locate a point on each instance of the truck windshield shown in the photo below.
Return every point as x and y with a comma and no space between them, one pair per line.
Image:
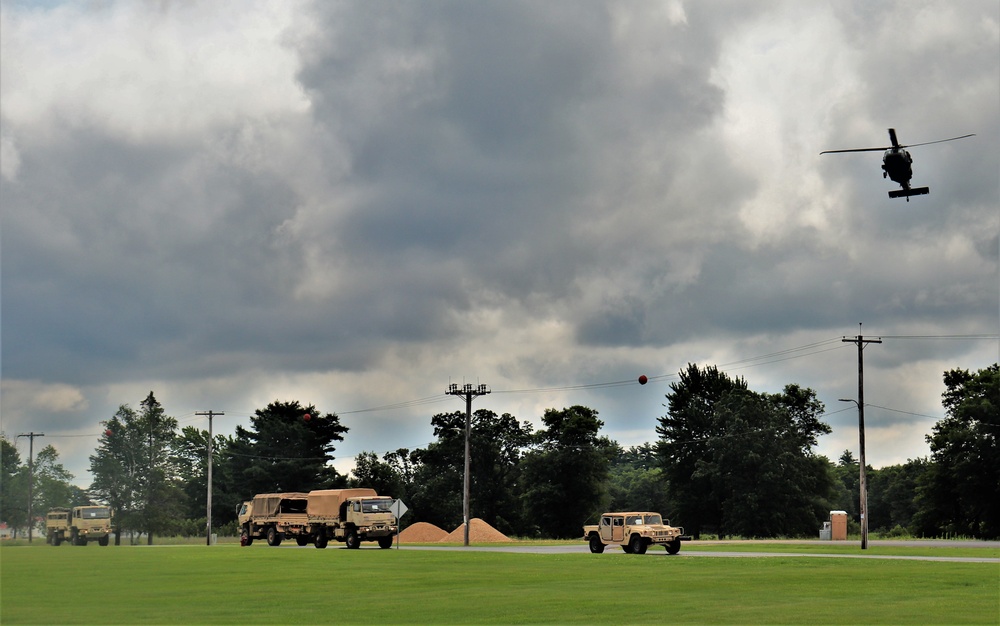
654,519
376,506
99,512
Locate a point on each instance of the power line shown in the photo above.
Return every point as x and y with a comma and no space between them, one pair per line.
778,356
974,337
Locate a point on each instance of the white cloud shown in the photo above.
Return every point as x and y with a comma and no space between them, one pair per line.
25,396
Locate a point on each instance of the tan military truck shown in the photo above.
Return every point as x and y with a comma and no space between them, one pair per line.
274,517
350,516
78,525
634,532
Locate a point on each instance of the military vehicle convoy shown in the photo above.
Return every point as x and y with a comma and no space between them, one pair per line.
346,515
634,532
78,525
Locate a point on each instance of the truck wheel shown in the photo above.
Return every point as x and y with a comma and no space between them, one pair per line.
302,540
245,538
596,545
321,541
353,543
385,542
56,540
103,541
273,537
637,545
673,547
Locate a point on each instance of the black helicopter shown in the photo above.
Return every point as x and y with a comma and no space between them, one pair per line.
897,164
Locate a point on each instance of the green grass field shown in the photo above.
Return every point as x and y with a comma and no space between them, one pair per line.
227,584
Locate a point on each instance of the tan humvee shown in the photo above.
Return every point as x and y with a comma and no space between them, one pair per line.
634,532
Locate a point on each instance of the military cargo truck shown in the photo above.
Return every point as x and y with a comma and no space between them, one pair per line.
274,517
350,516
634,532
78,525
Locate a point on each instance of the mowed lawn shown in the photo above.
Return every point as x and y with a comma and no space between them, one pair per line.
227,584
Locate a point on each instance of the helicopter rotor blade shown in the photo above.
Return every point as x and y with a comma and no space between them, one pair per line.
927,143
892,138
857,150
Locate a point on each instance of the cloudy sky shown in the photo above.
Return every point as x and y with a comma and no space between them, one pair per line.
355,204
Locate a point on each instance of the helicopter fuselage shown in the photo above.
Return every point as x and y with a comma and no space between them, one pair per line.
897,164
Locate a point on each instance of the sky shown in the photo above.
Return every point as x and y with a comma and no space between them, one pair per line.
356,204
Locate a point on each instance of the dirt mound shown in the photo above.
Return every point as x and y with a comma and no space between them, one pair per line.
422,532
479,532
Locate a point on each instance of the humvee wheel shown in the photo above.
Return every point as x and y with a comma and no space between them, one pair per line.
273,536
673,547
353,543
596,545
385,542
627,548
637,545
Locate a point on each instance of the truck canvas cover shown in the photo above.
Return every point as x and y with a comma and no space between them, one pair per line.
325,503
271,504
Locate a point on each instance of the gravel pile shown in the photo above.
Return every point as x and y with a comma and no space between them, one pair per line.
422,532
479,532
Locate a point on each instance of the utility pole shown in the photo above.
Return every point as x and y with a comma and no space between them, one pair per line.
468,392
31,475
208,505
861,342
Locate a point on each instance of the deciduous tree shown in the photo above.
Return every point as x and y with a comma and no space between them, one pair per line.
564,479
960,492
741,462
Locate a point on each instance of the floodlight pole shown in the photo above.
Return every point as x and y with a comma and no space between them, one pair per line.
208,504
468,391
860,402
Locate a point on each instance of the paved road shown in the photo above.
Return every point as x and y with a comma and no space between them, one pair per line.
735,553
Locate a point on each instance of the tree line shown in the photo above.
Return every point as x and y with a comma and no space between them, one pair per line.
727,461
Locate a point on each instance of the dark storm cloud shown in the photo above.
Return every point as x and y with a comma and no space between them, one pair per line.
356,201
498,135
113,252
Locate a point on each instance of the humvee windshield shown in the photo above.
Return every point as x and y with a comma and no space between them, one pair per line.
376,506
649,518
